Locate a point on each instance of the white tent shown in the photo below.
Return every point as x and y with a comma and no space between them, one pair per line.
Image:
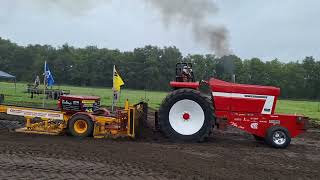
8,76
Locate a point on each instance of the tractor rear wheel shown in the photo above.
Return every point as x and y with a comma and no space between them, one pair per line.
81,126
186,115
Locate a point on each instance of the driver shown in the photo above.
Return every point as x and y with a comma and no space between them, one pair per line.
186,74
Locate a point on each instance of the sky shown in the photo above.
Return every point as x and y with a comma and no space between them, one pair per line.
288,29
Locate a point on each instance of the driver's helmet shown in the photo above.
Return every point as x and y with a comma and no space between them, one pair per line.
185,69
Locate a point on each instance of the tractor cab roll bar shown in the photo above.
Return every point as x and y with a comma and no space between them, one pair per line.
184,72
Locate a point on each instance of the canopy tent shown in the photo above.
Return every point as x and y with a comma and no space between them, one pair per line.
8,76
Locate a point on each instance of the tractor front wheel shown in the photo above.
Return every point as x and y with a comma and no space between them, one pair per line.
81,126
186,115
278,137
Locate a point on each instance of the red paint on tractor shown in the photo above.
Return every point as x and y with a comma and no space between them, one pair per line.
246,107
252,108
191,85
222,86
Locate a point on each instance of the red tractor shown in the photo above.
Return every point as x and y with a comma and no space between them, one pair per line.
190,114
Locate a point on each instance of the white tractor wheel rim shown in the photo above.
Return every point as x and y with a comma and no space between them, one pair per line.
279,137
186,117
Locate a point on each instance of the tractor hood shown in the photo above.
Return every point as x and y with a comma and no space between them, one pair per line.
227,87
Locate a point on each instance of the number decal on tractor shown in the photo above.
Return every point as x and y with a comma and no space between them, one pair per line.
254,125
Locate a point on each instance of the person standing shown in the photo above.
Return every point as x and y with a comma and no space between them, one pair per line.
37,82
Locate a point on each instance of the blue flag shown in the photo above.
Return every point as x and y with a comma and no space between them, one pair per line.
48,75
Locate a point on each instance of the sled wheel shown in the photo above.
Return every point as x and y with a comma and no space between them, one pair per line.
81,126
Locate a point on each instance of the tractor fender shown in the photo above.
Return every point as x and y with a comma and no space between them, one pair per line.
189,85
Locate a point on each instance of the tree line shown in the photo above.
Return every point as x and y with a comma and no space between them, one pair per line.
153,67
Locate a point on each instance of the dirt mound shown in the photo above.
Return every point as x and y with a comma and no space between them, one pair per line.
9,122
10,125
224,156
149,131
4,116
314,124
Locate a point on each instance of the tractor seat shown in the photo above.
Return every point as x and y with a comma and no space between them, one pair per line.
102,112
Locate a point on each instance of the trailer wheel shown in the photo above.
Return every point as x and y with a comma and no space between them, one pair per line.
186,115
278,137
81,126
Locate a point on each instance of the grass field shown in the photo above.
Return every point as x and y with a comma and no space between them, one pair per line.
18,97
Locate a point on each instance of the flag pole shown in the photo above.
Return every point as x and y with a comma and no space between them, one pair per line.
119,96
117,83
113,90
44,84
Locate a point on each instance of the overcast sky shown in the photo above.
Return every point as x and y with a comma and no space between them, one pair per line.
286,29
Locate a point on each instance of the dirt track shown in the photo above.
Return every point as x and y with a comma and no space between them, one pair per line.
226,155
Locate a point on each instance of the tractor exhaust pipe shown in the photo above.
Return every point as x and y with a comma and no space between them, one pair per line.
233,78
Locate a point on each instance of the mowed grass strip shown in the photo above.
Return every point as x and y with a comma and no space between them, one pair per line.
308,108
154,98
19,97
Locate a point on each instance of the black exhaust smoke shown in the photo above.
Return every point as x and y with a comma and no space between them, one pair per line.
195,14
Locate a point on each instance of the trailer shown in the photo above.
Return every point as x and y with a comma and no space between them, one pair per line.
50,93
190,114
80,116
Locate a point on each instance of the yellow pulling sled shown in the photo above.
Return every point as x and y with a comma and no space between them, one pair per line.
81,116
